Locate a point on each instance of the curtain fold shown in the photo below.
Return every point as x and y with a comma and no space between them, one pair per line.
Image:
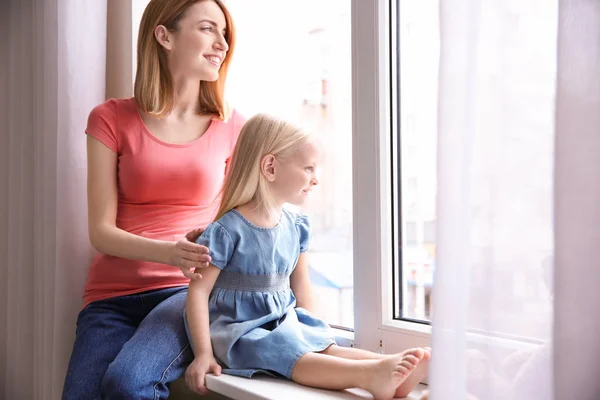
577,193
54,74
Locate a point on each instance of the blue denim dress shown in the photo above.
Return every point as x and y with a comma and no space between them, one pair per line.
255,326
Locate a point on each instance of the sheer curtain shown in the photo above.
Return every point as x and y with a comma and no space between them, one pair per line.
518,201
51,75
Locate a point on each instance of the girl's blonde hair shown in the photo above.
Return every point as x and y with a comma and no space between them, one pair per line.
261,135
153,89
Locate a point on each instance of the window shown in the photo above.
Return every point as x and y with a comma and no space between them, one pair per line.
295,63
510,248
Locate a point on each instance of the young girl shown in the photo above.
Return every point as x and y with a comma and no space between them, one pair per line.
253,304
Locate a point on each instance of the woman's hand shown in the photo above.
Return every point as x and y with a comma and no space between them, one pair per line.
189,256
195,375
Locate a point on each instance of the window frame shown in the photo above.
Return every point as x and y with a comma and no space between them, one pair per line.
373,38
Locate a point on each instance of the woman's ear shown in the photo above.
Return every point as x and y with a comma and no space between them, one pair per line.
163,37
267,167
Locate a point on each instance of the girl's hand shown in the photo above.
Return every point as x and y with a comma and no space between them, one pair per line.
194,235
188,256
196,372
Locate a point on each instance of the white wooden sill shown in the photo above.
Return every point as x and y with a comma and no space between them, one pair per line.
267,388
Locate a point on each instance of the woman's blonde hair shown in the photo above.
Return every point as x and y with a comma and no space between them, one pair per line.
153,91
261,135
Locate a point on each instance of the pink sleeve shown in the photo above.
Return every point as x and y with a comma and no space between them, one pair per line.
102,125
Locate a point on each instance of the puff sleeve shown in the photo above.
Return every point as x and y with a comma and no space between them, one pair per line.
219,243
303,229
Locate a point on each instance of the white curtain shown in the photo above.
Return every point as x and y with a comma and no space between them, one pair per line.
515,297
52,73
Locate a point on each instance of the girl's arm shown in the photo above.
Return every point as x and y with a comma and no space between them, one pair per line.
107,238
197,311
300,284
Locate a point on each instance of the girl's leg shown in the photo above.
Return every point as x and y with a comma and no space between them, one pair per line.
352,353
380,377
410,382
156,355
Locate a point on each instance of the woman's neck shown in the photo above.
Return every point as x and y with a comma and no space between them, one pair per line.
187,97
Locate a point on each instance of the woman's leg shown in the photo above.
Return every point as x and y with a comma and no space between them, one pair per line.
103,327
412,380
380,377
155,356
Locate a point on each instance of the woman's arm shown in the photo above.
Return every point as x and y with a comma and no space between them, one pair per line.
102,215
197,311
300,284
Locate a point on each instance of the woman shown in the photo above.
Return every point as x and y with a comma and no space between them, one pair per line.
156,163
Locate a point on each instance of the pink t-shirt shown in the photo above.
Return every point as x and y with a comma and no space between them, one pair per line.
164,191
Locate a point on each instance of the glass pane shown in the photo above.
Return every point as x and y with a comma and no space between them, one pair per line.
294,62
417,71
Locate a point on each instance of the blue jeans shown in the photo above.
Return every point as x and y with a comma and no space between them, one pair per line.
129,347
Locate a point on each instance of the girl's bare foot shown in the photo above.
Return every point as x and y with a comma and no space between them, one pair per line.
417,374
387,374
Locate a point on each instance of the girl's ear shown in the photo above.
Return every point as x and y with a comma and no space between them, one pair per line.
267,167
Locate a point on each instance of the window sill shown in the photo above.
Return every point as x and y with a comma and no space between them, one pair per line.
267,388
